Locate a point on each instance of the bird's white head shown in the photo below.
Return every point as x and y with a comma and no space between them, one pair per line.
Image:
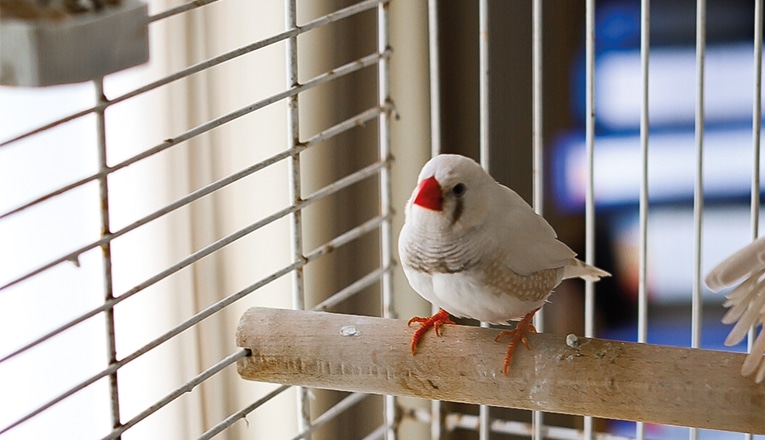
452,191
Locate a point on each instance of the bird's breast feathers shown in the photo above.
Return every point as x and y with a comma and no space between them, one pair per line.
474,281
463,294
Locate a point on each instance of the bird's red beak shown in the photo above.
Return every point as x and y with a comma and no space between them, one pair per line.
429,194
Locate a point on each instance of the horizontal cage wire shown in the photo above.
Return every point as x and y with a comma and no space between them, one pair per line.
243,183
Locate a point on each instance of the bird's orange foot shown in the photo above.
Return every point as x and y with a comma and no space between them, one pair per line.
436,321
518,334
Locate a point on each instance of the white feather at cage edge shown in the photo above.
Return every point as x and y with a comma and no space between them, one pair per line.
746,302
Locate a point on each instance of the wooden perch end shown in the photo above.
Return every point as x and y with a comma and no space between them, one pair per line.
594,377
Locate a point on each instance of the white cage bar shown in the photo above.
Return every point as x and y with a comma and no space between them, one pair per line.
484,114
645,45
537,146
434,75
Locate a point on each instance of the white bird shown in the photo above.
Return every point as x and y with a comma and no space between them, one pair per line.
746,302
476,249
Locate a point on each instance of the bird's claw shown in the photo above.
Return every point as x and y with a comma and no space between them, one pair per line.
436,321
518,334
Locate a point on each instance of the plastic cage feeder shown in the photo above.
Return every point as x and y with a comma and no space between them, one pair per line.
62,48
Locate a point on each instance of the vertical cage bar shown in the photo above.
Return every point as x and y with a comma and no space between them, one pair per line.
296,226
435,149
589,297
103,189
698,187
698,190
484,416
386,203
645,50
644,141
537,418
590,141
756,123
483,81
435,80
293,140
537,110
435,419
756,131
386,198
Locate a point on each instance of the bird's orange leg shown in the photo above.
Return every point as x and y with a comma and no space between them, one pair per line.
518,334
436,321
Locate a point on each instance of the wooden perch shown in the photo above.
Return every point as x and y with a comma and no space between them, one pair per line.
594,377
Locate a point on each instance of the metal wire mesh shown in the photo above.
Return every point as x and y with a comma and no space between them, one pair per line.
21,284
18,284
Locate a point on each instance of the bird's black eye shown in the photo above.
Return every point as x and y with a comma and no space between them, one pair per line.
459,189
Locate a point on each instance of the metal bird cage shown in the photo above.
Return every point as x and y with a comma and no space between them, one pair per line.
169,230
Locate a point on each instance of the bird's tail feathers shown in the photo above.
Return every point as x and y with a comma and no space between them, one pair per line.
580,269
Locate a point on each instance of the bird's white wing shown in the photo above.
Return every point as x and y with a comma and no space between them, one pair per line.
738,266
745,303
529,242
